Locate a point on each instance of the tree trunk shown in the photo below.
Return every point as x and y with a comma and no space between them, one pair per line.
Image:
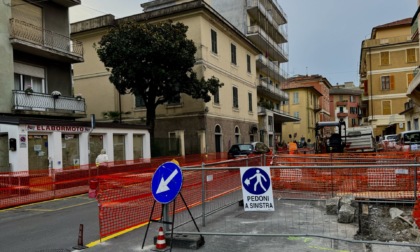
150,120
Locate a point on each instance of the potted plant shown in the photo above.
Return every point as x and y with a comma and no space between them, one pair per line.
78,97
55,94
28,90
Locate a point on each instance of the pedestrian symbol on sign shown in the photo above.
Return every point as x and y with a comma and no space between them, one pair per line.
256,189
256,181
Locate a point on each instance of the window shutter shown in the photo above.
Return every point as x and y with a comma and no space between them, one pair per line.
410,77
411,55
391,82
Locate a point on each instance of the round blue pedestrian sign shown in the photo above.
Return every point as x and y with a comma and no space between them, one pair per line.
166,182
256,181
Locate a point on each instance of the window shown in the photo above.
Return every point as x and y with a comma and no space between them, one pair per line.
119,147
214,41
250,102
29,76
235,97
248,63
341,109
386,107
353,122
237,134
217,97
139,102
176,99
385,58
351,98
137,146
411,55
233,54
387,82
296,114
416,124
295,97
408,125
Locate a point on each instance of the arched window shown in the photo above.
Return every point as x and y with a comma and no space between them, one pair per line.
237,134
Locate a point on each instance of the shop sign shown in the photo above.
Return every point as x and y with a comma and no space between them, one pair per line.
57,128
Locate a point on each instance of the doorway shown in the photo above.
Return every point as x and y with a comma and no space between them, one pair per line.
38,152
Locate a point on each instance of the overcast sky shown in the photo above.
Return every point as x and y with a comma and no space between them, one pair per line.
324,35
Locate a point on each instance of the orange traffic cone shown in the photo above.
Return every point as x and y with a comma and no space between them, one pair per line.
161,241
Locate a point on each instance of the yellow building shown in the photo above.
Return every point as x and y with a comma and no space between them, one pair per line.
412,107
387,62
222,51
309,101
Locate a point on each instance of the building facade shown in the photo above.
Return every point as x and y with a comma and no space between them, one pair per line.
38,108
222,51
264,22
309,101
412,107
387,61
345,100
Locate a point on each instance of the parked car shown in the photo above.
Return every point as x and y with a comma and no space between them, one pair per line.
408,140
241,150
389,141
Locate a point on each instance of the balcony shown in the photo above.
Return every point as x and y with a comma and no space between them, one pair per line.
67,3
45,104
261,39
269,68
415,30
342,104
263,17
266,89
35,40
342,115
386,41
276,12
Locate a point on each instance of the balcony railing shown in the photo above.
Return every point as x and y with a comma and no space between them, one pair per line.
276,48
45,38
46,103
408,105
263,85
342,103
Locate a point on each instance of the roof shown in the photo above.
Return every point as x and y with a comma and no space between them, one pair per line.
402,22
341,91
305,78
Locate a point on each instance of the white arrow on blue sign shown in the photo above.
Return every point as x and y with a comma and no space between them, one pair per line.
166,182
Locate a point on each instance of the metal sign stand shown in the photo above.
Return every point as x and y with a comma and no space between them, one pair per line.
161,220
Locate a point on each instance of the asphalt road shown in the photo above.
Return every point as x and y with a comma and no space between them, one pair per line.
49,226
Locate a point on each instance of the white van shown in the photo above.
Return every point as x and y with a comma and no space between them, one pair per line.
360,139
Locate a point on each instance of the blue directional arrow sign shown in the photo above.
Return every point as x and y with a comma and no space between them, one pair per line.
166,182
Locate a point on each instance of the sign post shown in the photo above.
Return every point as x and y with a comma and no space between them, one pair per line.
257,190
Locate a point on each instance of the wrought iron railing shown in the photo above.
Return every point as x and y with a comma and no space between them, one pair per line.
47,103
49,39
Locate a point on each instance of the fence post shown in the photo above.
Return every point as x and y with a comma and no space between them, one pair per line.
203,195
415,179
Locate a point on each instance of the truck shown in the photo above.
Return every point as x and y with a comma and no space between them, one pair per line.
360,139
330,141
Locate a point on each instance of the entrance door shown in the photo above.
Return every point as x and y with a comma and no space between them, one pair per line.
70,144
4,152
38,152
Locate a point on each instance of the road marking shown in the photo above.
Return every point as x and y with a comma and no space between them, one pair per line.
94,243
24,207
